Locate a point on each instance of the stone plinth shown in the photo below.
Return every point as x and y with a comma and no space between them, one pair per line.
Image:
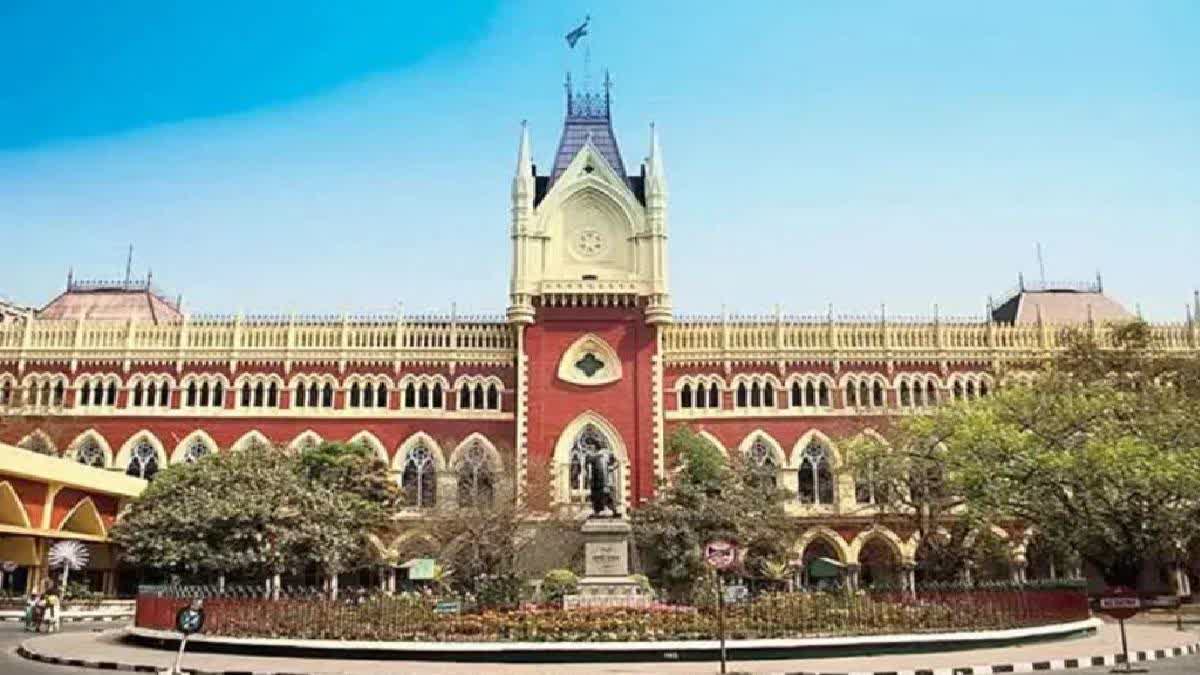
605,547
606,581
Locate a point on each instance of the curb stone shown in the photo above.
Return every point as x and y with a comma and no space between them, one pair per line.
995,669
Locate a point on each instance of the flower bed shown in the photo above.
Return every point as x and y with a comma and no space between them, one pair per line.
771,616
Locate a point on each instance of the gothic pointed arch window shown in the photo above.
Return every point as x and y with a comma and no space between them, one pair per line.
823,394
90,454
476,477
418,479
905,395
763,465
864,394
381,396
143,460
111,394
970,389
327,396
355,395
816,475
301,395
714,396
410,396
685,396
195,451
493,397
38,442
464,397
743,396
368,395
877,395
588,442
436,398
137,394
797,395
930,393
191,394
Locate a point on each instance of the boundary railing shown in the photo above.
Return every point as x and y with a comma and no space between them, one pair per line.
779,615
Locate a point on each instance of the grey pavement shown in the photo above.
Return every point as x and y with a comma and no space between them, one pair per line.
12,635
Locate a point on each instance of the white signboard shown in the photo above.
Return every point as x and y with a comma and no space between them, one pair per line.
1120,603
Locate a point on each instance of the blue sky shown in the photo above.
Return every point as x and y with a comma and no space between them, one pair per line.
329,157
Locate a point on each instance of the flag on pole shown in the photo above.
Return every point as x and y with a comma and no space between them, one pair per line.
574,35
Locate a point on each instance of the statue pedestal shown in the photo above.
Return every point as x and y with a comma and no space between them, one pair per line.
606,581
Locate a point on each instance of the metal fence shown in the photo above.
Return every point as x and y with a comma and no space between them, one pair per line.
306,614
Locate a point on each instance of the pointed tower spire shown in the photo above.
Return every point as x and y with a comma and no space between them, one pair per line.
523,185
129,266
656,177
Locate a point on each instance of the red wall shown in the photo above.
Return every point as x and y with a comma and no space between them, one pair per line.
626,403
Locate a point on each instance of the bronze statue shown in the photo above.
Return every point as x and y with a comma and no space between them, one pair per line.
600,475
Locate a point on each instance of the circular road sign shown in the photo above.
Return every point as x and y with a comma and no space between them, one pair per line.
190,619
1120,602
720,554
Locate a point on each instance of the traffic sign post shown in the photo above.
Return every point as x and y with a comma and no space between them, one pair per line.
188,620
720,555
1122,603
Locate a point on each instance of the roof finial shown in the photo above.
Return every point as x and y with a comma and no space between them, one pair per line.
655,174
70,277
1099,283
1021,281
607,94
525,152
129,266
1196,304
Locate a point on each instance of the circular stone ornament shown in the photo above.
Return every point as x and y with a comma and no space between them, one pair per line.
589,243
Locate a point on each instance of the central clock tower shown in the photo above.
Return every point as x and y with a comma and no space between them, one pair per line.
587,297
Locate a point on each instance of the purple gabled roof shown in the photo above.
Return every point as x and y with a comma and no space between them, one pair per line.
588,117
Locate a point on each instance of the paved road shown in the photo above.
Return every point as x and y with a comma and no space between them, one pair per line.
1184,665
11,635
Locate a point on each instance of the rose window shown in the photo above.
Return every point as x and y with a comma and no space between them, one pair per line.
589,243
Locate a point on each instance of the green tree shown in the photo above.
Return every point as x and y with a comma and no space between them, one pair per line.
1101,452
235,512
261,511
707,500
349,494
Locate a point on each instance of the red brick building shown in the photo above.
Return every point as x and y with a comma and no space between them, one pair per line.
588,356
